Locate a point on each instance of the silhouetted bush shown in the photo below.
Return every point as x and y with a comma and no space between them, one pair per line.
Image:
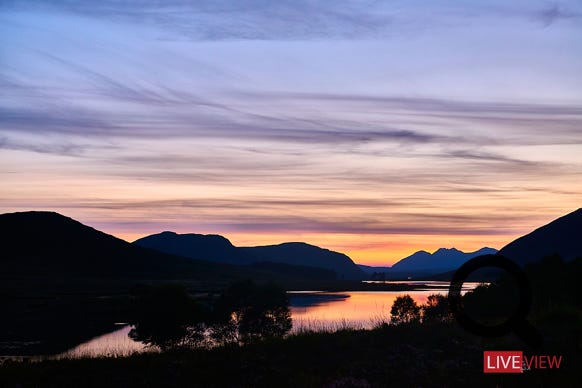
436,309
404,310
166,316
247,311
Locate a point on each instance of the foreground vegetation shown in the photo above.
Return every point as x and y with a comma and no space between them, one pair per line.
404,355
74,310
422,346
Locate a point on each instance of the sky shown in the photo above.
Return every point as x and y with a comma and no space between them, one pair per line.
375,128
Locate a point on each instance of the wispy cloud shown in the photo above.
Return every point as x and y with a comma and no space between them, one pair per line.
273,215
553,13
299,19
373,118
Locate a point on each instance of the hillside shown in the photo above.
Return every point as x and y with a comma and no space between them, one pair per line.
49,248
48,244
305,254
209,247
218,249
562,237
75,280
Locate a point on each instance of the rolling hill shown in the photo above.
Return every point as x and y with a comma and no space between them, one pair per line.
50,244
46,246
562,237
209,247
305,254
219,249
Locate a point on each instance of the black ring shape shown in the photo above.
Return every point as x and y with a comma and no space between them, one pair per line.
517,322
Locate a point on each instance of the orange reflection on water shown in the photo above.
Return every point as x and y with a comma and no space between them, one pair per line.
355,309
113,344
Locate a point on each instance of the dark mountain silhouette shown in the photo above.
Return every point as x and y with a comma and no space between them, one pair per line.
47,243
62,282
369,269
209,247
302,272
562,237
440,261
219,249
481,275
306,254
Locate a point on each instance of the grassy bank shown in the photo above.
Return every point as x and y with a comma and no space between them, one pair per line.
408,355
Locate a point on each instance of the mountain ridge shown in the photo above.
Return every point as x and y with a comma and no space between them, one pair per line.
442,258
306,254
210,247
196,246
562,236
54,243
45,246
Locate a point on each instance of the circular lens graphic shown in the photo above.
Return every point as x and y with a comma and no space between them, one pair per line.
517,322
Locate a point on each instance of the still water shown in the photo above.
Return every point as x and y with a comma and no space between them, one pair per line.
356,309
310,310
114,344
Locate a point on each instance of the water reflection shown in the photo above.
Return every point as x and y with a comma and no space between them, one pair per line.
310,310
355,309
114,344
315,298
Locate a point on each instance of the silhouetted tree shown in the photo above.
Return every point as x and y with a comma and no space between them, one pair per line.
494,303
166,316
404,310
247,311
436,309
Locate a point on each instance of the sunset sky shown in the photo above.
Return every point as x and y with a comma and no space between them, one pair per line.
376,128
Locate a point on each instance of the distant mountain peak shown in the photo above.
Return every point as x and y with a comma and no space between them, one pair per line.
61,245
297,245
446,250
212,247
171,234
441,259
306,254
218,248
293,243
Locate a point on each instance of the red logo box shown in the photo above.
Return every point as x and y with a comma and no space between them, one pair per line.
503,362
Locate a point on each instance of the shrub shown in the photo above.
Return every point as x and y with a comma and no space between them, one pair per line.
404,311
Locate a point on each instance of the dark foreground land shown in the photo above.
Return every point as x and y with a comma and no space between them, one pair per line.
425,352
413,355
50,317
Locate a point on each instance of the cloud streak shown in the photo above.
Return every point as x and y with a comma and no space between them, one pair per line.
299,19
402,122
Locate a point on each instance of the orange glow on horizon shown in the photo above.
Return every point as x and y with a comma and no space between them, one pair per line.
374,250
402,138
